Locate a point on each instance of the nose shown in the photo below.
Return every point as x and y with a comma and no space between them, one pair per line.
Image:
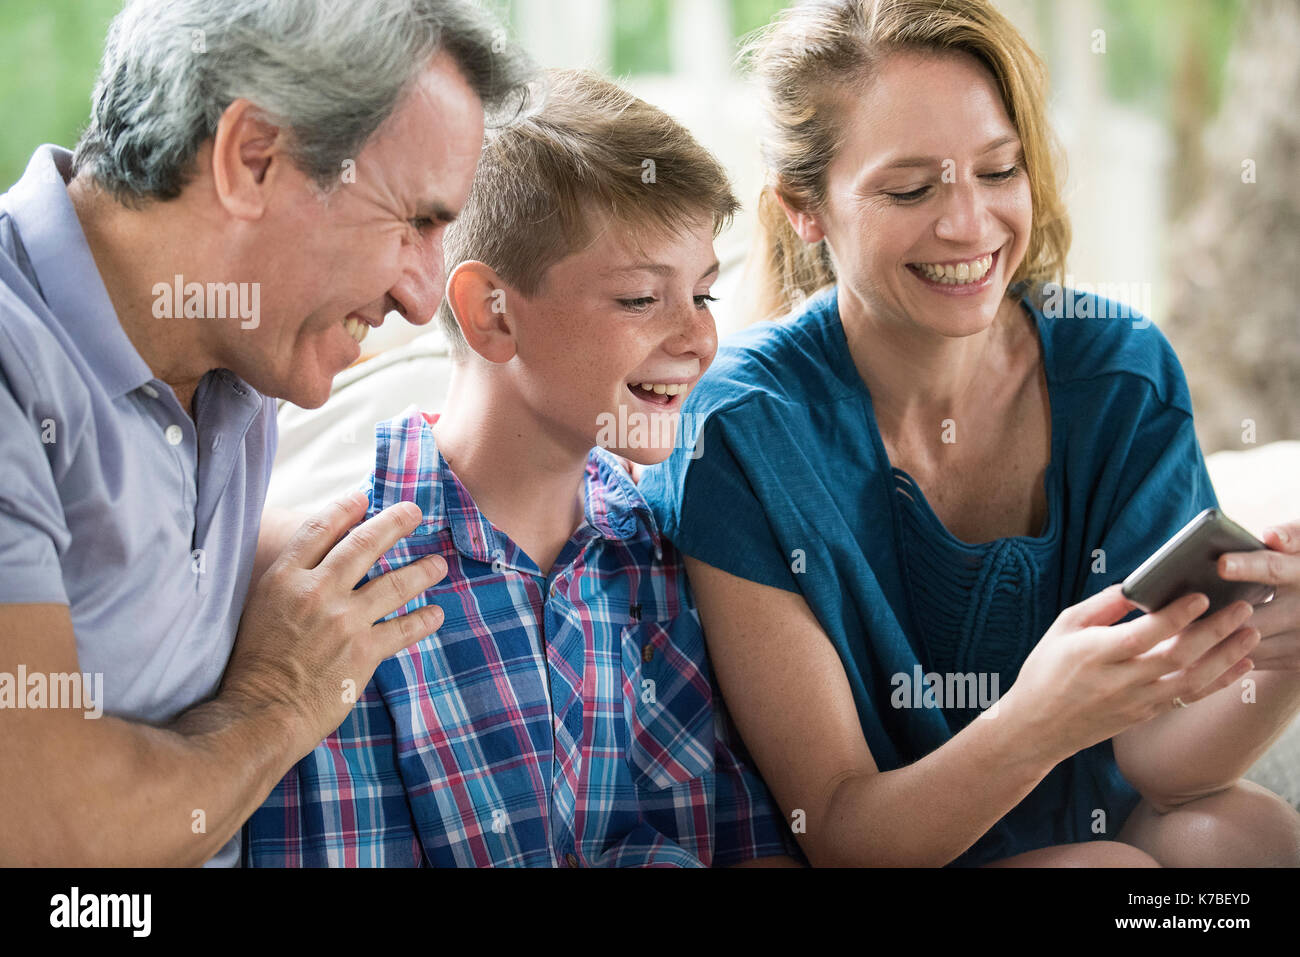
961,214
695,333
419,289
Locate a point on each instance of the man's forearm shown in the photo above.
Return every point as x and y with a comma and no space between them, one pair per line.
127,794
1189,752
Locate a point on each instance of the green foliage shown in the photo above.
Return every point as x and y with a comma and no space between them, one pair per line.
50,50
641,37
748,15
1146,41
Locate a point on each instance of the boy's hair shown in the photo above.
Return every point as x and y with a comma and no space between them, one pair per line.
588,149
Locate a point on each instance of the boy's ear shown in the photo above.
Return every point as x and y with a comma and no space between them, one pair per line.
806,225
479,299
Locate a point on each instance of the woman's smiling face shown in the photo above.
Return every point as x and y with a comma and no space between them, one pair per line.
928,209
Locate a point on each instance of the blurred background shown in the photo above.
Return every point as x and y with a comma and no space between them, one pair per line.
1179,120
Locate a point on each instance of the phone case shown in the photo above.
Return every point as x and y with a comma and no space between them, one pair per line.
1188,563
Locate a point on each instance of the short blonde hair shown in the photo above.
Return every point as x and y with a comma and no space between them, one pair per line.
817,50
589,149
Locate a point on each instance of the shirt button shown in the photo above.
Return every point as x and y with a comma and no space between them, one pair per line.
174,435
571,859
216,442
555,587
150,391
648,653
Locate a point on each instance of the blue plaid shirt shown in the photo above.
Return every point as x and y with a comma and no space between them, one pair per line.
561,719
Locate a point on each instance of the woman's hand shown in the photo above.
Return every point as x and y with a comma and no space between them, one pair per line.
1278,621
1088,679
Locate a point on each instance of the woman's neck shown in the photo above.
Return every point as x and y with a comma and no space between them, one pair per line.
916,375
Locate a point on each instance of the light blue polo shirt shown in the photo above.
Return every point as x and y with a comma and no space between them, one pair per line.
112,500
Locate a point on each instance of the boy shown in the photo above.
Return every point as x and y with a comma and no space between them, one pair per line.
564,713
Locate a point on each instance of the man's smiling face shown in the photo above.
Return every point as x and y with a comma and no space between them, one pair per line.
334,267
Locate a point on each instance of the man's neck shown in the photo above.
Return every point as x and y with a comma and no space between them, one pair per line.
133,250
521,478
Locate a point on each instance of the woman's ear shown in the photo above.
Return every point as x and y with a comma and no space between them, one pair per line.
481,301
807,226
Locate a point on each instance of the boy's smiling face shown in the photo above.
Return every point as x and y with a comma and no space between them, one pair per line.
608,320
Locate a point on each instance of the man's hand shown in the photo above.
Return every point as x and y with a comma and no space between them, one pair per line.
1278,620
308,639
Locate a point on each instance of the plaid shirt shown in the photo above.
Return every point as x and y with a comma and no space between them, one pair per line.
556,719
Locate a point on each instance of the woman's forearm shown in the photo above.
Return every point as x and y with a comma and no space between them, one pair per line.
931,811
1204,748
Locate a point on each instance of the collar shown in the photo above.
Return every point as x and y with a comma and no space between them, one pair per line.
409,467
66,275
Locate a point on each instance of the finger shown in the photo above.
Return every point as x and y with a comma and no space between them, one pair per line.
1265,565
1279,615
1104,608
1284,538
1274,652
393,590
1140,635
318,534
350,559
1196,680
392,636
1230,677
1193,641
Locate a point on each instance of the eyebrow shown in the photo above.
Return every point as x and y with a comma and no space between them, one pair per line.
909,162
660,269
432,209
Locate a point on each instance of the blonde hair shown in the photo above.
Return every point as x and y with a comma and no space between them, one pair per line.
587,152
817,50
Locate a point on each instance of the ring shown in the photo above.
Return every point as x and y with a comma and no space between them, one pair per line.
1179,702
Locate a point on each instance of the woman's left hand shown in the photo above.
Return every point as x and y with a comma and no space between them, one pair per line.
1278,621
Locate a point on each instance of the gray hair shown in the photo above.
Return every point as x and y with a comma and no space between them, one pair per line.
329,71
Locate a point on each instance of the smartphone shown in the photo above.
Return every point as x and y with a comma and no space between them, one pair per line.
1188,563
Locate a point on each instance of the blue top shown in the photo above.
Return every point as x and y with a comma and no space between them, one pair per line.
789,485
113,501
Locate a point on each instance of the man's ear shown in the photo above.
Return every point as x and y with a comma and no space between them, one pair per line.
806,225
481,301
248,156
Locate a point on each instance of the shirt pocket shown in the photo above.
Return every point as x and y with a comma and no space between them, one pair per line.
667,702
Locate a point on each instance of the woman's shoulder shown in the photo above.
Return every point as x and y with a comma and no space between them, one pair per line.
1092,340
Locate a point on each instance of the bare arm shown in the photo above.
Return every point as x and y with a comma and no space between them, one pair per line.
1087,679
113,792
1194,751
786,693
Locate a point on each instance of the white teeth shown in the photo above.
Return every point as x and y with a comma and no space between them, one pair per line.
660,388
957,275
356,328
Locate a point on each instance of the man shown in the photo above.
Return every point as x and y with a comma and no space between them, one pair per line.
259,183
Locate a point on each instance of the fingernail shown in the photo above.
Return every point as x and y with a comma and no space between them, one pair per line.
1231,566
1281,534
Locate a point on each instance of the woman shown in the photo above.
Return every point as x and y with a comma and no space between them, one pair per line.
907,501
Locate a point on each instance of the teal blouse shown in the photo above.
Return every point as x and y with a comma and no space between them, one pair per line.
788,484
